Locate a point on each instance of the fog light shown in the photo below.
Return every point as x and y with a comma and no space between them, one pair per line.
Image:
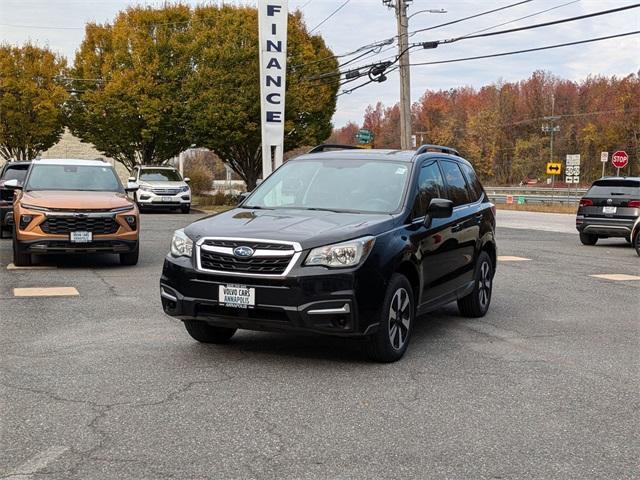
131,220
25,220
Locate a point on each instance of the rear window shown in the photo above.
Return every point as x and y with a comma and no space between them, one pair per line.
456,183
617,187
474,184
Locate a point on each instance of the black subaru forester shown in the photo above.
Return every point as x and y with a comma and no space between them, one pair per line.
346,242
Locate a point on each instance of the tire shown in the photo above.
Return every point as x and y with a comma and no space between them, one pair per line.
397,317
636,242
205,333
588,239
20,259
628,239
130,258
185,208
477,303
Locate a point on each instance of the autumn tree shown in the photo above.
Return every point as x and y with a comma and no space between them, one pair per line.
498,128
224,88
31,100
345,135
130,76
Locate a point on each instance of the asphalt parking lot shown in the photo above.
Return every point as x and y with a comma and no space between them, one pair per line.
101,385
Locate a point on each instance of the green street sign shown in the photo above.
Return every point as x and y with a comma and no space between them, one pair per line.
364,135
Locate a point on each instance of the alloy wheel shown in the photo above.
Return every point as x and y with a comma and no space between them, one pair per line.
399,318
484,285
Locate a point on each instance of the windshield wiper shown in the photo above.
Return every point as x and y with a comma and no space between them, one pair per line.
255,207
330,210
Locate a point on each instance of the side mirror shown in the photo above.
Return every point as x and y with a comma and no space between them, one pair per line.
131,187
13,184
131,179
187,179
242,197
438,208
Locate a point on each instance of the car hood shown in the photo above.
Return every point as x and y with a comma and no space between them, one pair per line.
308,228
162,184
75,200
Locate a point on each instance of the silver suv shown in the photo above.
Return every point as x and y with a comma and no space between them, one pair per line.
161,187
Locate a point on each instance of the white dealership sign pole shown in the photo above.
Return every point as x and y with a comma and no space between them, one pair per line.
272,25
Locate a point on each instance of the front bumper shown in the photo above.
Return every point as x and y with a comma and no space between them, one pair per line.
605,227
58,246
308,300
150,199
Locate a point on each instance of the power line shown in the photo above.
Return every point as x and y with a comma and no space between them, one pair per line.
515,52
330,15
446,24
522,18
540,25
540,12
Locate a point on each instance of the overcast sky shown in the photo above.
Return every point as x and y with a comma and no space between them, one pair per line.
59,25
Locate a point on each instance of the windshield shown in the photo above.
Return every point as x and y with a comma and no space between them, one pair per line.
159,175
360,186
74,177
16,173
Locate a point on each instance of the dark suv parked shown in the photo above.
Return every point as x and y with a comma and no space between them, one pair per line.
10,171
609,209
351,243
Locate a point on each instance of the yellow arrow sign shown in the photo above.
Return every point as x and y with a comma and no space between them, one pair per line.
554,168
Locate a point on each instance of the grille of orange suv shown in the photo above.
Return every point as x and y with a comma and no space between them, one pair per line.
97,225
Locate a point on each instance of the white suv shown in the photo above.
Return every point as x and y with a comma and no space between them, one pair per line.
161,187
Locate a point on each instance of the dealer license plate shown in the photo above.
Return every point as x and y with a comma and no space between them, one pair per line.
237,296
80,237
609,209
169,199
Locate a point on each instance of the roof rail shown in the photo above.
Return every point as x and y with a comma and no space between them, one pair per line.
327,147
436,148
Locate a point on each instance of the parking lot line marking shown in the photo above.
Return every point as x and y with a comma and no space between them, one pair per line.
37,463
11,266
509,258
616,277
45,292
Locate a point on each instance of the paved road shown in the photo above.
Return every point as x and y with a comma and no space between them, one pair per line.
547,222
102,385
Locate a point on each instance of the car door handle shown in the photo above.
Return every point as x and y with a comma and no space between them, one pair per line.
457,227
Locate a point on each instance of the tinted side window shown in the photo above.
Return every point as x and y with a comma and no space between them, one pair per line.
475,188
430,185
458,192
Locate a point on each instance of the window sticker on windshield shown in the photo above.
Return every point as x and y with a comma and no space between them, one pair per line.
401,170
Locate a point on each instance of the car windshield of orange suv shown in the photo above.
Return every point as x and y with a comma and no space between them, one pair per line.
74,206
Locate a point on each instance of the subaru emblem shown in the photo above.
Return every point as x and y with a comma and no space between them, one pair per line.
243,252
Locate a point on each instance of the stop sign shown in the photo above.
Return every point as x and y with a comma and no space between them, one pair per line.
620,159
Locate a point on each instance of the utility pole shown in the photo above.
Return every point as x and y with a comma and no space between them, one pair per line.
551,128
400,7
405,79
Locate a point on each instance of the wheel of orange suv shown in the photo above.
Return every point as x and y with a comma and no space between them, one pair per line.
391,340
20,259
130,258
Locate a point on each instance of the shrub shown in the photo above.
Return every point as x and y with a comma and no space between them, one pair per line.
201,178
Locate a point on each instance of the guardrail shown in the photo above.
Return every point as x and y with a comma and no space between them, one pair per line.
535,195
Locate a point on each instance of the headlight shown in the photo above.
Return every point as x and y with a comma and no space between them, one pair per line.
339,255
181,245
146,188
34,207
184,189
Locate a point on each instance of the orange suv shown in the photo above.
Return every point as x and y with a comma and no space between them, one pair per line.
73,206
